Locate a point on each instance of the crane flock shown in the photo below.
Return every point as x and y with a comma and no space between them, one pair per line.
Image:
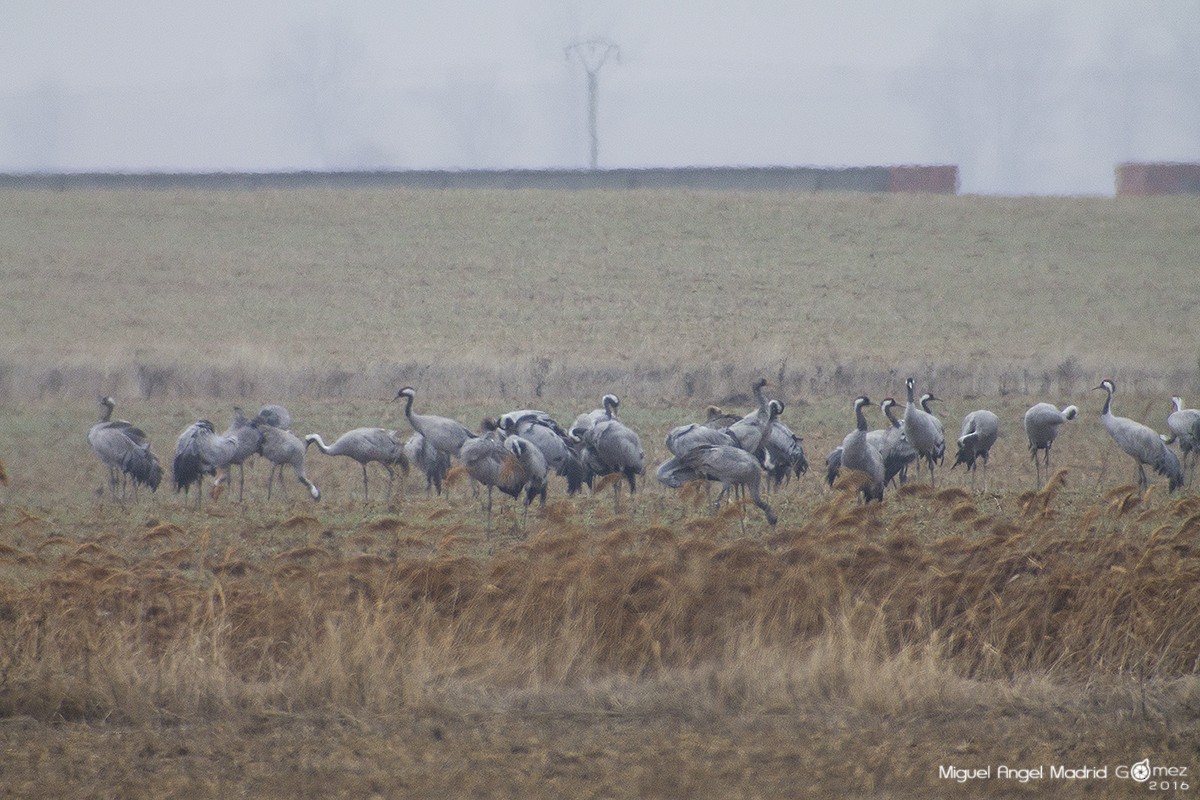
517,452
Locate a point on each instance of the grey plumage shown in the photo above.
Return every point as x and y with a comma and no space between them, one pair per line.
748,432
446,435
488,461
611,446
923,431
896,451
682,440
733,467
980,429
533,469
1042,422
366,446
555,444
248,439
1141,443
274,415
125,450
784,451
586,421
285,449
1183,424
200,451
859,454
433,463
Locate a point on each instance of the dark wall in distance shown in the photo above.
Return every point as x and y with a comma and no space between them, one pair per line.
940,179
1158,178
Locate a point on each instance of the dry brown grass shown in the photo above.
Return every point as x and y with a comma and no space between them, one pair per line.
1070,617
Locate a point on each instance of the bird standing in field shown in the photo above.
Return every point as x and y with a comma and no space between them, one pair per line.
366,445
1042,421
533,469
923,430
734,468
1184,426
980,430
488,461
433,463
556,445
784,450
611,446
248,439
200,451
125,450
859,454
1141,443
285,449
444,434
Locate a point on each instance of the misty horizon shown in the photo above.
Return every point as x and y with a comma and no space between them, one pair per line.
1025,98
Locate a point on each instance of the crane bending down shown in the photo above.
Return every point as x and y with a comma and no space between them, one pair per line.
1184,425
366,445
733,467
200,451
1142,444
285,449
124,449
1042,422
980,429
488,461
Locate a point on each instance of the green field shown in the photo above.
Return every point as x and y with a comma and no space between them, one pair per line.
301,649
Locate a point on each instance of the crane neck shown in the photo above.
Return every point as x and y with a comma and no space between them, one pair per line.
862,419
1107,402
315,438
106,412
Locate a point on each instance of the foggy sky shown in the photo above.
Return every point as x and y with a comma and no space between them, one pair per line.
1026,96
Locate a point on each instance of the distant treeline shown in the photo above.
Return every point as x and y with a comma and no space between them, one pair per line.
941,179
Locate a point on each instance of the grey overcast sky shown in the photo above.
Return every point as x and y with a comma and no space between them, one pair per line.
1026,96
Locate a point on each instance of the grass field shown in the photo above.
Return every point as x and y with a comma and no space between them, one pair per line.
304,649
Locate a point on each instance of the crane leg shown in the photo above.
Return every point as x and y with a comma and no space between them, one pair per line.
366,495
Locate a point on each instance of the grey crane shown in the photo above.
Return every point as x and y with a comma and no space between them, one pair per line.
555,444
248,438
444,434
732,467
533,469
890,442
784,450
682,440
366,445
748,432
980,429
1042,421
433,463
859,454
285,449
1140,442
125,450
611,446
274,415
923,431
488,461
1184,426
896,451
200,451
587,420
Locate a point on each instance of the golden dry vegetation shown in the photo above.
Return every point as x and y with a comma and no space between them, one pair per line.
303,649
